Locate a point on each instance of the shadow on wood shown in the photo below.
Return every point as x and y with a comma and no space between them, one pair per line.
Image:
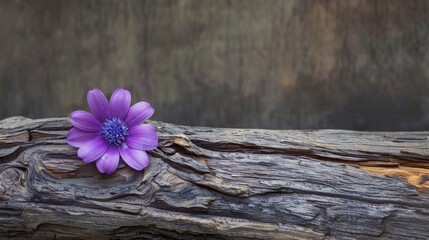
208,183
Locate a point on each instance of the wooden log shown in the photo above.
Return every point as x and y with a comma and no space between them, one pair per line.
211,183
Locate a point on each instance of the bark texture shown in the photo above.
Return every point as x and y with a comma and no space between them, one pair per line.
210,183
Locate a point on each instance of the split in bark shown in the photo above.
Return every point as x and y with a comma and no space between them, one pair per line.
210,183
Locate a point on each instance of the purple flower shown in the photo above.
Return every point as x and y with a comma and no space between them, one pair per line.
113,131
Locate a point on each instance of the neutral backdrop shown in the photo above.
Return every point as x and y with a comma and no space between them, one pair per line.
351,64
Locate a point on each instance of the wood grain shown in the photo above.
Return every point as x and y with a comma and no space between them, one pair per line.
212,183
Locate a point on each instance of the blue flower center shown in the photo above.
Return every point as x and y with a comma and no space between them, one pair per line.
114,131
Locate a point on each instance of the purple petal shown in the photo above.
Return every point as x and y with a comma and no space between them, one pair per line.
120,103
78,138
142,137
108,163
138,113
98,104
93,150
84,121
134,158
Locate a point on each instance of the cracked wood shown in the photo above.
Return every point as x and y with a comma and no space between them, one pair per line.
210,183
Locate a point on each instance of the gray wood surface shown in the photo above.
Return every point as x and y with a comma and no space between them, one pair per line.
351,64
212,183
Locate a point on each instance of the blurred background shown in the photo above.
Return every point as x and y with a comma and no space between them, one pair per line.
355,64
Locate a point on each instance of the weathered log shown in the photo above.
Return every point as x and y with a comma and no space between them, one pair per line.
210,183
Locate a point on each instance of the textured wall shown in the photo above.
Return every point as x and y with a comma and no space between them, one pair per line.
270,64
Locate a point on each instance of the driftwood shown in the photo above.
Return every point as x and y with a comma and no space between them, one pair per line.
209,183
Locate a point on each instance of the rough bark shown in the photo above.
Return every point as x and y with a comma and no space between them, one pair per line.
209,183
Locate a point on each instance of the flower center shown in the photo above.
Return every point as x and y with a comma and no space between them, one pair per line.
114,131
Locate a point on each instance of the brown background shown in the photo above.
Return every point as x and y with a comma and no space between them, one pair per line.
267,64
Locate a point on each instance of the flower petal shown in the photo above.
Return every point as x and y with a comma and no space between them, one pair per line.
142,137
93,149
108,163
78,138
120,103
98,104
84,121
138,113
134,158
